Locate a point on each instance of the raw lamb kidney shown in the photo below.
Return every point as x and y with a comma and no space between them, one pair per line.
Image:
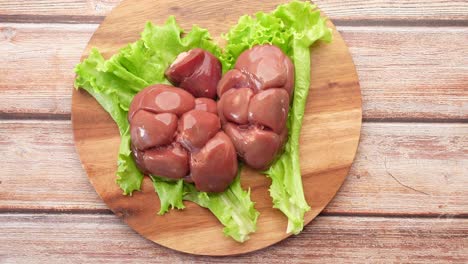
254,103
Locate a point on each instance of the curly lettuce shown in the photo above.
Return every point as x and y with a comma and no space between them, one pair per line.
293,27
233,208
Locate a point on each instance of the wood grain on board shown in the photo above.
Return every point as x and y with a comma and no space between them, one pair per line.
329,137
397,80
85,11
400,168
103,239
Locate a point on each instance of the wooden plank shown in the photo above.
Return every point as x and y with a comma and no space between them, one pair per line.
405,73
41,169
407,168
58,7
95,10
411,73
37,75
400,168
40,238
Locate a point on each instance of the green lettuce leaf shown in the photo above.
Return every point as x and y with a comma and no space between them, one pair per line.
171,193
293,27
233,208
114,83
114,94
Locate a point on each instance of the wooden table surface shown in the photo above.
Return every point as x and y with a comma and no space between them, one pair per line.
405,199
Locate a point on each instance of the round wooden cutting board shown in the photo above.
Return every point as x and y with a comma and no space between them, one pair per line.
329,137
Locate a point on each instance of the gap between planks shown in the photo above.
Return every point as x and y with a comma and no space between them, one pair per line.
67,117
52,211
77,19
